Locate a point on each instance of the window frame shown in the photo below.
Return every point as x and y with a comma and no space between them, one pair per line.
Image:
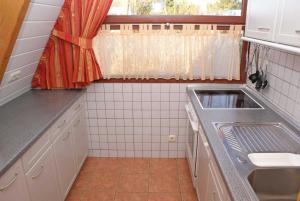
199,19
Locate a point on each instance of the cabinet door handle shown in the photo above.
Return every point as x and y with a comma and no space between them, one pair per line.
78,121
263,29
297,31
10,183
67,136
39,173
62,124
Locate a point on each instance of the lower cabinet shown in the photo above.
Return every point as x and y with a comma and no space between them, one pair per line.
48,168
213,192
12,184
80,139
210,185
42,179
65,160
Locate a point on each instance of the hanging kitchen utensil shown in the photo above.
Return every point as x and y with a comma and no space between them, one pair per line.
255,76
262,82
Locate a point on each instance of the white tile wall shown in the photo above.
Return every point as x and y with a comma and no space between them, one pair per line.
284,83
33,36
135,120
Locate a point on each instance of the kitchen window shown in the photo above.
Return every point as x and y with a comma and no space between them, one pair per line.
177,11
172,40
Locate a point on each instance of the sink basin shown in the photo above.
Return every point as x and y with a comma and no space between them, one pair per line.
275,159
275,184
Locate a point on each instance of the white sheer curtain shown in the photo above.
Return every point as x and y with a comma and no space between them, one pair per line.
190,53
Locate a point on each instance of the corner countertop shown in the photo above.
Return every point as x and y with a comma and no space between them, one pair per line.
24,119
239,188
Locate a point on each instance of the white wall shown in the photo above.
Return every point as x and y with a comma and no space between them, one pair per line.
33,36
284,83
135,120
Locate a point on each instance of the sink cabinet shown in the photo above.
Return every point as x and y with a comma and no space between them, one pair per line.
210,184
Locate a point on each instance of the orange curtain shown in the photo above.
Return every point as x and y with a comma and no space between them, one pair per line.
68,60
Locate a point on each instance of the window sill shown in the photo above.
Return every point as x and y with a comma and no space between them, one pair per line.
220,81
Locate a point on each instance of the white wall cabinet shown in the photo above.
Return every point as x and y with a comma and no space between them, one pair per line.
12,184
261,19
42,179
65,160
48,168
288,27
274,20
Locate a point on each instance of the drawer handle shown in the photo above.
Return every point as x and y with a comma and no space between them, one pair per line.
77,123
263,29
62,124
10,183
67,136
297,31
77,108
39,173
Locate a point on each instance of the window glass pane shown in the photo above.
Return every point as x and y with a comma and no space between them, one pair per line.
176,7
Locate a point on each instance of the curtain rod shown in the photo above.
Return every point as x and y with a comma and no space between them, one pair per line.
177,26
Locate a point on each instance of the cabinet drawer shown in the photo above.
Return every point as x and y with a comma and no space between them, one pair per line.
60,125
12,184
36,150
77,106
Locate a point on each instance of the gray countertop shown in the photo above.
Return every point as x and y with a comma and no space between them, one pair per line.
24,119
238,187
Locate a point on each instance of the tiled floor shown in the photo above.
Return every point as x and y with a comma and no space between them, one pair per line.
121,179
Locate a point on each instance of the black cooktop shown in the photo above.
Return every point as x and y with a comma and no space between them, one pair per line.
225,99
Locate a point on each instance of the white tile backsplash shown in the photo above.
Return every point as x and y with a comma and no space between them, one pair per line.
29,46
283,91
135,120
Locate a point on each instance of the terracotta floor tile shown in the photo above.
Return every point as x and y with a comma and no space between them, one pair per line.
109,165
123,179
186,184
100,196
183,167
163,166
135,166
77,195
164,197
131,197
104,181
133,183
163,183
189,196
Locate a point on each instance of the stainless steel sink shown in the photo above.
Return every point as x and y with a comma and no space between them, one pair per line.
268,183
275,184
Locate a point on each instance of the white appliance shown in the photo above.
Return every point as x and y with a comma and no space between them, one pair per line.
192,140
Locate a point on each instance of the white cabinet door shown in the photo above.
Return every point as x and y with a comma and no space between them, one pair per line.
202,167
288,26
13,185
261,19
42,179
213,192
65,160
80,139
